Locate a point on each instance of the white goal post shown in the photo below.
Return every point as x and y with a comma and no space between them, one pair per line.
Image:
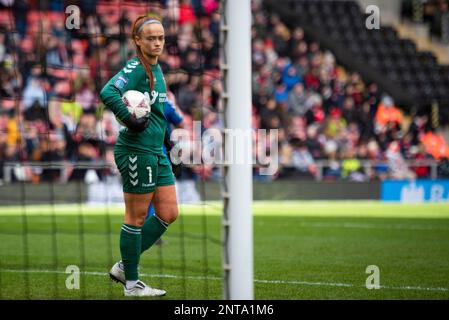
235,58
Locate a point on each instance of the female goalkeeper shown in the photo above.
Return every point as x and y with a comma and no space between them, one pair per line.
145,170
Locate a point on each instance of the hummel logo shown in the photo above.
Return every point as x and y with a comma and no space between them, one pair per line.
148,184
132,168
134,182
125,70
130,66
134,63
133,175
132,159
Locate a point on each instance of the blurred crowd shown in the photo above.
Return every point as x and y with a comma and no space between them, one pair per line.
325,112
51,76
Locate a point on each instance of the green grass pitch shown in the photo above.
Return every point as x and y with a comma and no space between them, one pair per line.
302,250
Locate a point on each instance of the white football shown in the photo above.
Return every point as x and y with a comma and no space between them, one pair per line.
138,104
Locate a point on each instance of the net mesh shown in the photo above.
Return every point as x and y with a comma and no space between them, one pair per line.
61,201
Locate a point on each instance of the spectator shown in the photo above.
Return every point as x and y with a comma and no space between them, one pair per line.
397,167
290,77
418,153
53,150
297,100
351,166
375,155
34,92
435,145
315,112
387,113
312,142
281,93
334,124
302,160
187,96
333,170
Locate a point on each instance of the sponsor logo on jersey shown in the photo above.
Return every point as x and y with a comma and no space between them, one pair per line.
121,82
154,95
162,97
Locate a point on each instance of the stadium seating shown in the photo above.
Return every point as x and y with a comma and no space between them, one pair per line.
416,73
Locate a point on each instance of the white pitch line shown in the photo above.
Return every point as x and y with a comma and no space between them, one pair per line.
356,225
305,283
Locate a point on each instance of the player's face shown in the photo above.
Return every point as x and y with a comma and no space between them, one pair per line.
151,39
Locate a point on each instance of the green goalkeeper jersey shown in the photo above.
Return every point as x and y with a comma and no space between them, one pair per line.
134,77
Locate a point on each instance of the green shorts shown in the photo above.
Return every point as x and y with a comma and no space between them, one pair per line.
143,173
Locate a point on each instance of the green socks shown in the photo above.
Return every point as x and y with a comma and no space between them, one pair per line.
135,240
130,244
152,230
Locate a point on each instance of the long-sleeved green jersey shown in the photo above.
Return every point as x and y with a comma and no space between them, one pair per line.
134,77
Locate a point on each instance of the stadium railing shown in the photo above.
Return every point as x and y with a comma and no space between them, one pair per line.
369,166
321,165
64,166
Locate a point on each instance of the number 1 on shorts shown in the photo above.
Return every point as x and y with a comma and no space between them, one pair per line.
150,175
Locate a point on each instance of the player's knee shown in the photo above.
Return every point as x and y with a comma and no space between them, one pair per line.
135,220
140,221
172,215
